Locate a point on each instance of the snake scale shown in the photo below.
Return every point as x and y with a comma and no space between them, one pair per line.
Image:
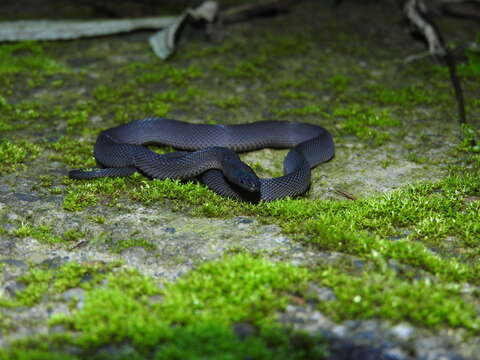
209,153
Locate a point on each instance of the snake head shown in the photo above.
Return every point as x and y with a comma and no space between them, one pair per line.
248,180
243,176
240,174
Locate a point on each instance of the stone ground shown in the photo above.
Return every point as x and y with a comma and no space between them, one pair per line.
341,68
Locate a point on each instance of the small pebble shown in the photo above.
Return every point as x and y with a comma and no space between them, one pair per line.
402,331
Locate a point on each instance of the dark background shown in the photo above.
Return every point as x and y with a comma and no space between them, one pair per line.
78,9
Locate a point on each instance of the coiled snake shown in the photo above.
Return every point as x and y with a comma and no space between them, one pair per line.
209,154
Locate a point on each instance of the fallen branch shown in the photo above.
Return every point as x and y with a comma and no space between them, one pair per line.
345,194
416,12
163,42
73,29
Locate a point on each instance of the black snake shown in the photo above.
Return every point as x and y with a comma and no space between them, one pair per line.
209,154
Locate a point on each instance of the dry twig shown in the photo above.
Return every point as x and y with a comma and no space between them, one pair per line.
417,13
345,194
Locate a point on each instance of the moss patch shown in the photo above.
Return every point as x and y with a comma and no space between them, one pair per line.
26,56
40,282
71,152
20,116
425,212
194,317
46,234
421,302
404,225
130,243
14,155
240,288
365,123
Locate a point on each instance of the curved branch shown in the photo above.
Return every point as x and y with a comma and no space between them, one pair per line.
417,13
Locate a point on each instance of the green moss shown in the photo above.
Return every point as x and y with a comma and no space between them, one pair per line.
255,68
203,306
14,155
86,193
296,95
196,342
288,83
46,181
230,102
176,97
72,235
135,97
26,57
263,171
184,195
82,194
156,72
21,115
338,225
77,200
430,213
5,125
227,292
470,140
71,152
131,100
37,284
181,77
411,95
99,219
386,163
302,111
126,102
6,325
422,216
364,122
45,234
130,243
105,94
42,233
113,98
426,212
44,282
417,159
471,68
76,119
30,354
338,82
421,302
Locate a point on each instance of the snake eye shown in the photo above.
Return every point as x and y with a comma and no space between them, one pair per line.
250,183
240,174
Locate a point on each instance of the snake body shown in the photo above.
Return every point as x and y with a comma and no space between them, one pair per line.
208,152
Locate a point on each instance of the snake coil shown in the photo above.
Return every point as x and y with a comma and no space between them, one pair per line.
209,154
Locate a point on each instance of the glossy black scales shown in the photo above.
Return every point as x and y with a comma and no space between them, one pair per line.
209,154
